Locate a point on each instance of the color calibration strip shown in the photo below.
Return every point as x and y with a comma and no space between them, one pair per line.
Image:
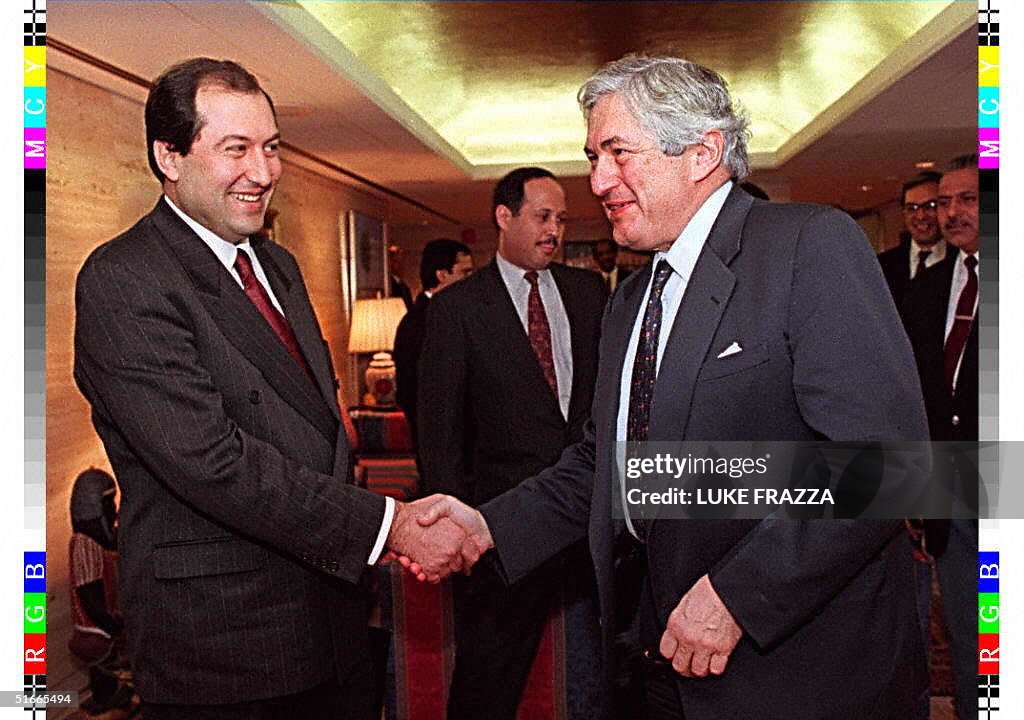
34,20
988,315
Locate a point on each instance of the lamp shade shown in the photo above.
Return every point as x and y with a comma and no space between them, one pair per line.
374,322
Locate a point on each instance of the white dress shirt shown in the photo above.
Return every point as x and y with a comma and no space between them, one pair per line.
682,256
561,337
937,255
226,252
611,278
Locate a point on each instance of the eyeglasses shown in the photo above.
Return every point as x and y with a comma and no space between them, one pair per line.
930,206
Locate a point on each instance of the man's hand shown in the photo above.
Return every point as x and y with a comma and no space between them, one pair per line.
469,519
701,633
443,509
433,550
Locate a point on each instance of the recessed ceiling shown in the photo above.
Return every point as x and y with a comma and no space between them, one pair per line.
920,102
495,82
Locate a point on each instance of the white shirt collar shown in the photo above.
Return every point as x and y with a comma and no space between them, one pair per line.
682,256
513,274
225,251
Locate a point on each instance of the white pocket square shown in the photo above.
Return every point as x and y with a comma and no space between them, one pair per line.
733,349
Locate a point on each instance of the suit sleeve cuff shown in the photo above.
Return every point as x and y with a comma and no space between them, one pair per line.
385,528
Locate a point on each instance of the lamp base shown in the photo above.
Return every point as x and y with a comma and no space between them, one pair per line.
380,379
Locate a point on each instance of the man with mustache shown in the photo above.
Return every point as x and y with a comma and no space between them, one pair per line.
506,378
753,321
924,247
940,311
243,543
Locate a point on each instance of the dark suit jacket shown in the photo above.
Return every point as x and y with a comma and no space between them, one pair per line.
241,541
487,417
623,274
826,606
895,264
408,345
400,289
951,416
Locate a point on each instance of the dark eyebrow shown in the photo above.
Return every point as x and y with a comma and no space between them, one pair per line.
243,138
605,144
614,140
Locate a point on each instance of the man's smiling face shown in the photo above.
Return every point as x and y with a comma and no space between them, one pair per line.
645,193
227,179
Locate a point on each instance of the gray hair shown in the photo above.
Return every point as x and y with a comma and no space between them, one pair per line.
963,162
677,100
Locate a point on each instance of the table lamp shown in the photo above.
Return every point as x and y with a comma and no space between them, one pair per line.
374,322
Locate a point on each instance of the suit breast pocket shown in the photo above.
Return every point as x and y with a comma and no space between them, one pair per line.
205,557
723,367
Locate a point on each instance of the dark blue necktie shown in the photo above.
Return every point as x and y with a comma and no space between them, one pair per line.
645,364
645,372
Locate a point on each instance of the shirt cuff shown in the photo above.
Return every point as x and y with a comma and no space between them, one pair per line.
385,528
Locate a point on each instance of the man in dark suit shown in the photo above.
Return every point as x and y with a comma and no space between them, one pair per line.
444,262
924,246
605,254
506,379
242,543
754,321
940,312
396,286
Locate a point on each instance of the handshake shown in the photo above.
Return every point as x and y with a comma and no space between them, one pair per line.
437,536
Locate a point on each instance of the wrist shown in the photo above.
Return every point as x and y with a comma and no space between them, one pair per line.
399,520
485,540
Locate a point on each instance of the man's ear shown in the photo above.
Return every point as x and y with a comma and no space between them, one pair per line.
167,160
502,215
707,156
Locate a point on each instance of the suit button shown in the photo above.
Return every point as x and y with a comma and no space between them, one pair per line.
254,397
334,567
956,420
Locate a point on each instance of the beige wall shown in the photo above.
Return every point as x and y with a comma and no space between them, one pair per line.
98,185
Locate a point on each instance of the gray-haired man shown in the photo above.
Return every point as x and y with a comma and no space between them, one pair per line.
775,324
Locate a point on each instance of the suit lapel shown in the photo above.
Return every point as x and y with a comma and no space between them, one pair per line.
617,327
304,325
933,287
573,313
625,306
704,302
508,333
240,321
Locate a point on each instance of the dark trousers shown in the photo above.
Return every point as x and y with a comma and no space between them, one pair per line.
497,631
327,701
957,568
661,682
661,694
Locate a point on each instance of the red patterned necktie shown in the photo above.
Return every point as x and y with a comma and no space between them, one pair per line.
962,322
540,332
258,294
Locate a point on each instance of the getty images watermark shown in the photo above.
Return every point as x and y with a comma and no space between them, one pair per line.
807,480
